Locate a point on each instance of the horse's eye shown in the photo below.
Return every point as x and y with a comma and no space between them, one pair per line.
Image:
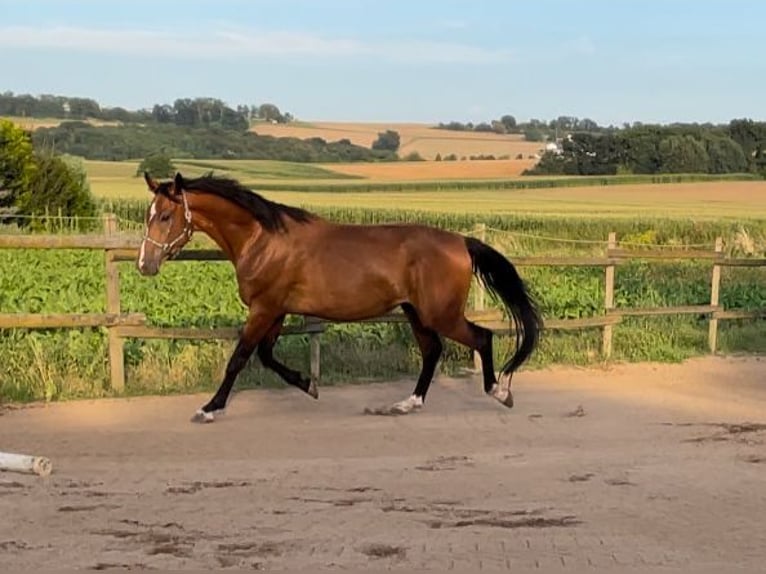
165,216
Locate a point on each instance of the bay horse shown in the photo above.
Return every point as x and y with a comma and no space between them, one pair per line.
289,260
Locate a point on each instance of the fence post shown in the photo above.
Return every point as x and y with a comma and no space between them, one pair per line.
715,286
116,343
606,347
478,303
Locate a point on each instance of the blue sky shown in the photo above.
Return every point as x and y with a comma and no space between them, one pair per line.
613,61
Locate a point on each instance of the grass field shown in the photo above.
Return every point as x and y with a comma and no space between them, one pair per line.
421,138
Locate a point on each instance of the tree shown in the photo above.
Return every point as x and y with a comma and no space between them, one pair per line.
725,155
509,122
17,166
387,141
270,112
59,183
683,154
157,164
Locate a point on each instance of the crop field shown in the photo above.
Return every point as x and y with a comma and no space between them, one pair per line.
421,138
703,199
119,179
435,170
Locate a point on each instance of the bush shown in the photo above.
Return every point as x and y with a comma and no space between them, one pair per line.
158,164
59,184
17,164
387,141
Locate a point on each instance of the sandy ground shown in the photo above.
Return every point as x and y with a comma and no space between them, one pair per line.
636,467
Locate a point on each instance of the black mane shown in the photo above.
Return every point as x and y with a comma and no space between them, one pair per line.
269,214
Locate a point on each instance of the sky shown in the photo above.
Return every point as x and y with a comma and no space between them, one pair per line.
613,61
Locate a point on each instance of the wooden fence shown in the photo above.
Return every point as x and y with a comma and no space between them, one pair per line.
118,247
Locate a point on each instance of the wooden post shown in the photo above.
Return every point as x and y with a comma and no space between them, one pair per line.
116,343
478,303
606,348
715,286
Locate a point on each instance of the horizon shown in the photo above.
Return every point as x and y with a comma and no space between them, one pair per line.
426,63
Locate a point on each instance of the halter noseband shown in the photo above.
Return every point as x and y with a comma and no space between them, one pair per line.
187,232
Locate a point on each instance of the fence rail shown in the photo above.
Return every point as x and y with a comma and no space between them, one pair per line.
118,247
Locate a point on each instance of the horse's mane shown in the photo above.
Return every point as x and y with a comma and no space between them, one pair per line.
269,214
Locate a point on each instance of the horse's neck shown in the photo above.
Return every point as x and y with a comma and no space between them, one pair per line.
230,226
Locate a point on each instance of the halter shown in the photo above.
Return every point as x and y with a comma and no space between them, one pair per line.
187,232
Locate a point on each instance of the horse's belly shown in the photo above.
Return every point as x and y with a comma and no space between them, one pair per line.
348,300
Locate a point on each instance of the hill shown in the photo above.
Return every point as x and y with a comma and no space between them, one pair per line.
424,139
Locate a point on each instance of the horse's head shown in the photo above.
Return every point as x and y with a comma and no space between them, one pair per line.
168,224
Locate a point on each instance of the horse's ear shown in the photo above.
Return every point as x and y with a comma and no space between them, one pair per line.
152,183
178,183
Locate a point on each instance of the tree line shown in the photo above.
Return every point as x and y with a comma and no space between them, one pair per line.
738,147
534,130
191,112
118,143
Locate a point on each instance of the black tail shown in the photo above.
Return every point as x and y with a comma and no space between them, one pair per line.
499,276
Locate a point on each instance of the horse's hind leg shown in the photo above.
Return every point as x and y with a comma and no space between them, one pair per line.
266,355
480,339
431,349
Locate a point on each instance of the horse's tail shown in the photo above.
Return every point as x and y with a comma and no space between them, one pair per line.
499,276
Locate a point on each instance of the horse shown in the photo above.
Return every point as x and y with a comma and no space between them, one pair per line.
289,260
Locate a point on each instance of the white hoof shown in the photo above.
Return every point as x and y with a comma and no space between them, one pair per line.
404,407
202,417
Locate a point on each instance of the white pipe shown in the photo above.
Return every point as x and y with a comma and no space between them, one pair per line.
25,463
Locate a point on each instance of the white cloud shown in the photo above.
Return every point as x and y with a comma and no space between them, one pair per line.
222,43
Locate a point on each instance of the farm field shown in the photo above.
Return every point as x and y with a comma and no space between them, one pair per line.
421,138
637,468
34,123
435,170
727,199
711,200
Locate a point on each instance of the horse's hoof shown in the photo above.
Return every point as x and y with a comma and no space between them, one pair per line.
502,395
203,417
313,390
401,408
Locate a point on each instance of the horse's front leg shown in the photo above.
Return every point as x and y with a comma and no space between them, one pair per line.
290,376
257,325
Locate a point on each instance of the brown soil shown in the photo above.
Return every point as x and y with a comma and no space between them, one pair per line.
663,466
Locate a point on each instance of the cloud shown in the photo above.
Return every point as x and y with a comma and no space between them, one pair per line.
233,43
